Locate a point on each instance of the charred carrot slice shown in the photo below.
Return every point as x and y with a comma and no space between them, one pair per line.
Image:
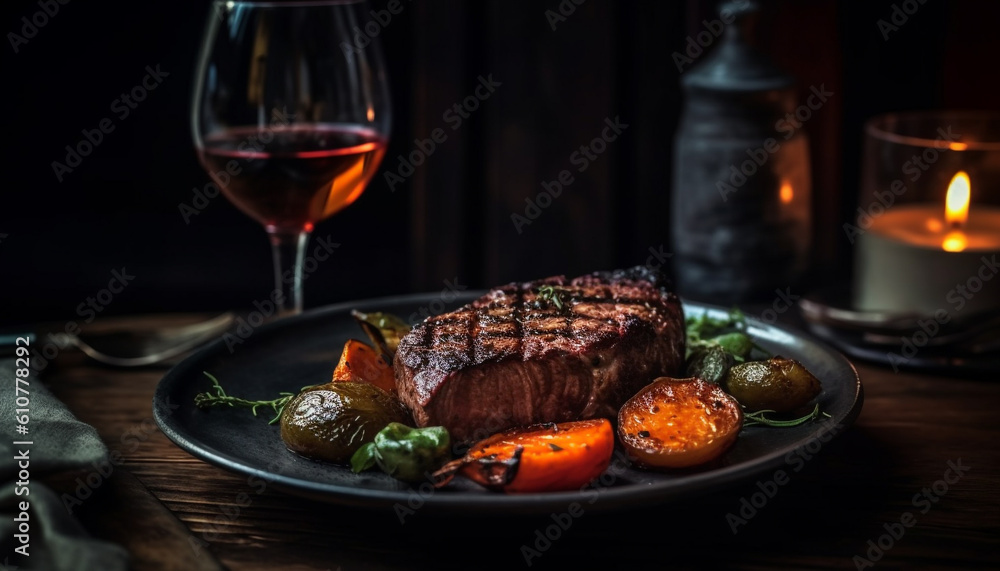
677,423
539,458
361,363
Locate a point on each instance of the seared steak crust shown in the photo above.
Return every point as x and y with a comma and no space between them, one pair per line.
511,358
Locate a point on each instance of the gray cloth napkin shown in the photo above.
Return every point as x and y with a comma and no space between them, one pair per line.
60,443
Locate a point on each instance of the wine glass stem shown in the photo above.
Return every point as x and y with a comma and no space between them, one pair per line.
289,249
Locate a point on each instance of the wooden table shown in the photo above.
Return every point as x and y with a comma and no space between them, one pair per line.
911,430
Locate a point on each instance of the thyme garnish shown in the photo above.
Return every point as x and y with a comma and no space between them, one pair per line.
552,294
759,418
220,398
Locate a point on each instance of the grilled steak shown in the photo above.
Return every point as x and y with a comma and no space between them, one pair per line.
515,357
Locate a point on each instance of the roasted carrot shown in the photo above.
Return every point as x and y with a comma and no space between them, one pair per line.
539,458
676,423
361,363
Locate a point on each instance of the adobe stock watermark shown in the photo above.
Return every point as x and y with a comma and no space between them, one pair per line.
47,349
566,8
923,500
696,45
581,159
454,116
380,20
31,25
130,441
418,495
122,107
783,301
416,499
448,296
229,513
958,297
202,197
913,168
263,309
767,489
758,156
899,16
546,536
657,258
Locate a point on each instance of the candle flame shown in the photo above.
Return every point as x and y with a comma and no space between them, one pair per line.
954,241
786,193
956,146
956,211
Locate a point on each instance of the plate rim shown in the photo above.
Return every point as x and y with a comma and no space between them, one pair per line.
612,497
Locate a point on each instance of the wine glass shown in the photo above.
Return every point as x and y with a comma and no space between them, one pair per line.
290,117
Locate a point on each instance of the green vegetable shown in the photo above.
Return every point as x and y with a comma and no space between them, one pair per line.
710,363
737,344
364,458
728,332
778,384
704,326
220,398
552,294
405,453
332,421
384,329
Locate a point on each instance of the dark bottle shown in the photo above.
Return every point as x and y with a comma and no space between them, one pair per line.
741,218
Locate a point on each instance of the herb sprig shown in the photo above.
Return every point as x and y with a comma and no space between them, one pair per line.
760,418
552,294
220,398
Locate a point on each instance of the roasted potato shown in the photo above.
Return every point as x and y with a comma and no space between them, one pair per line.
778,384
677,423
330,422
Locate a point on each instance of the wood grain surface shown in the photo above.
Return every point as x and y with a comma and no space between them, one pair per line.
911,427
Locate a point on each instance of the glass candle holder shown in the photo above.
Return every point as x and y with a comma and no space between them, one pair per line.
927,231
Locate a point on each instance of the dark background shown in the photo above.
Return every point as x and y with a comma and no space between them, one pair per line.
451,219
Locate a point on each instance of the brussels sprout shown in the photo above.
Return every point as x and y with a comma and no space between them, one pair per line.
710,363
778,384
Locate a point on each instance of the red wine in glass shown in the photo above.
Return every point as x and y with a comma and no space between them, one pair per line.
289,178
298,61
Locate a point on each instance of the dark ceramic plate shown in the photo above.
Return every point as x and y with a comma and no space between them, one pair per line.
828,314
289,354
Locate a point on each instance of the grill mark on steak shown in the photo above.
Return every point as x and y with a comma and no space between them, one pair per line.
576,323
517,313
509,358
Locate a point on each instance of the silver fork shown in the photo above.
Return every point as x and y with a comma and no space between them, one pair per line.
143,348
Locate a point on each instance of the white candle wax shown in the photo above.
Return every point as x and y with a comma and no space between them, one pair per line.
901,264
